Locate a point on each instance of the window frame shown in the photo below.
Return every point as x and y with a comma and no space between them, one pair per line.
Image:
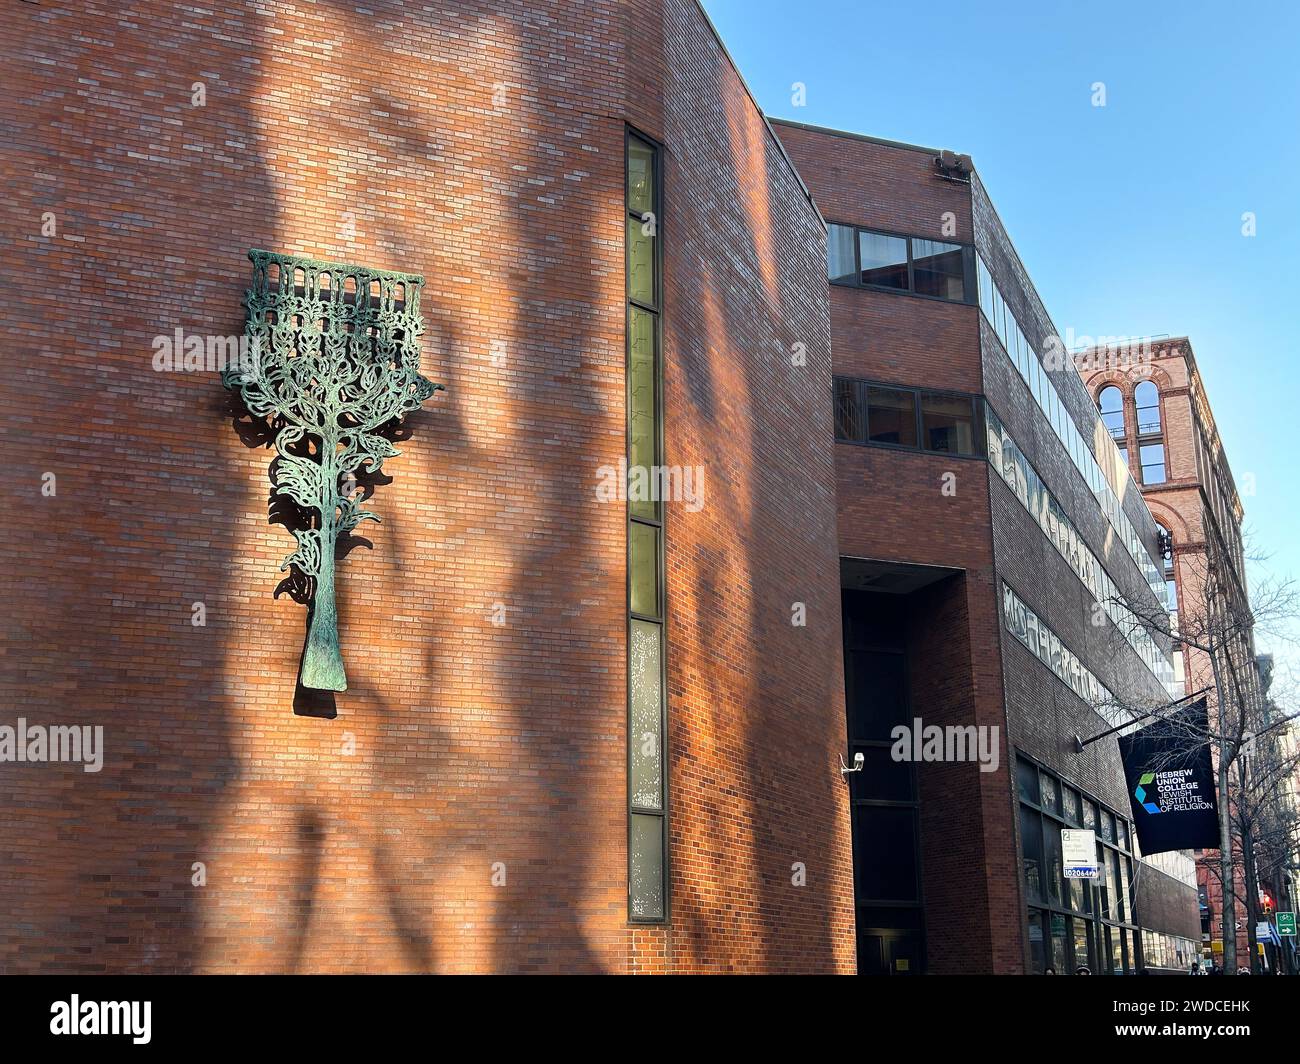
1158,428
979,451
1164,463
969,274
1121,433
658,521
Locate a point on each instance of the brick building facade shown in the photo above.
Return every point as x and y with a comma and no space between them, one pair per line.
928,298
1155,403
463,806
578,734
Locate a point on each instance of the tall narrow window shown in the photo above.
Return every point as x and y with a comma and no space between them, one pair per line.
647,837
1111,404
1147,398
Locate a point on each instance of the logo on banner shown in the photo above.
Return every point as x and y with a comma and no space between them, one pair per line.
1177,791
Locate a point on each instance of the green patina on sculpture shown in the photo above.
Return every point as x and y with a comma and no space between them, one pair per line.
335,358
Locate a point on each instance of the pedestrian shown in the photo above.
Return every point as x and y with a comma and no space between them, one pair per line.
1083,969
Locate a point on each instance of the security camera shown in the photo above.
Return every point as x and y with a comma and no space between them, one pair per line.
859,762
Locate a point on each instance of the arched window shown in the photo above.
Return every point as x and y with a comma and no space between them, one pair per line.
1111,404
1147,397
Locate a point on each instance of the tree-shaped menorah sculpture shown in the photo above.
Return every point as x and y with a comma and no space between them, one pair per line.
335,357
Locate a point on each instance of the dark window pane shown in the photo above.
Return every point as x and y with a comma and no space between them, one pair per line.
842,267
877,694
1082,930
1031,845
891,416
1111,404
1072,809
849,421
1037,944
1147,398
1103,882
882,777
1152,457
938,269
1051,793
1058,926
884,259
1027,780
1052,873
948,423
885,846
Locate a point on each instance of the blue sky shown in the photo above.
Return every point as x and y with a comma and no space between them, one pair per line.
1128,216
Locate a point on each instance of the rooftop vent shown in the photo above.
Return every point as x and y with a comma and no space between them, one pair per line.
953,167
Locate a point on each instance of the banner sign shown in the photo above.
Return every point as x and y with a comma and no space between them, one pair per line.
1079,853
1170,776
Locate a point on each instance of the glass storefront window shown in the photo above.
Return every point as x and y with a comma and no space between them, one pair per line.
1052,873
1051,793
1061,937
1027,780
1037,945
1058,943
1082,930
1072,808
1031,843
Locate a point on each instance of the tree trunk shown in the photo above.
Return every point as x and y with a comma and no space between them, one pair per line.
1229,905
1252,898
322,662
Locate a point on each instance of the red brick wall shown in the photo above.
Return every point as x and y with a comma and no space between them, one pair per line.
756,706
366,841
893,507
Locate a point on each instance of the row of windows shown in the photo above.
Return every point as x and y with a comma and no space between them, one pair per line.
1021,478
870,259
1044,789
1068,943
1104,485
1168,951
1177,864
1146,399
905,417
647,844
1074,922
1044,644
